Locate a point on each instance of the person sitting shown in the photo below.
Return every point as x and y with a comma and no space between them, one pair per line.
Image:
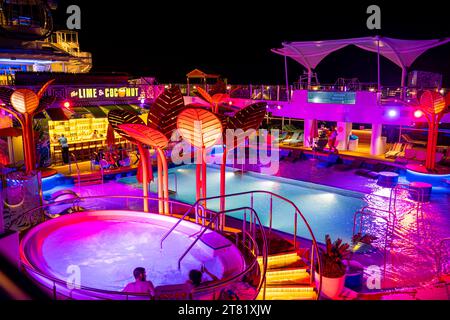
332,140
195,277
124,158
141,285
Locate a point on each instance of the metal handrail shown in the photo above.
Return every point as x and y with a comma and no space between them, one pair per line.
391,220
218,284
251,237
420,198
72,155
297,213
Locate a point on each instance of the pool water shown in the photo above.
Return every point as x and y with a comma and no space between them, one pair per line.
328,210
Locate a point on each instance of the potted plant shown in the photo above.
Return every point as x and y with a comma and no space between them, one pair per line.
333,269
363,243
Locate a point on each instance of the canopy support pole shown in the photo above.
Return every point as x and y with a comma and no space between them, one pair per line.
286,78
378,64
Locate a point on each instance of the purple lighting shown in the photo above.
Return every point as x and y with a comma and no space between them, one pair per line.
392,113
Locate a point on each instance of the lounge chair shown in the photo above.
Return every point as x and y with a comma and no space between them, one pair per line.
408,139
296,138
395,151
282,137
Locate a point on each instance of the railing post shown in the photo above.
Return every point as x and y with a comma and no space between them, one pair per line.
250,91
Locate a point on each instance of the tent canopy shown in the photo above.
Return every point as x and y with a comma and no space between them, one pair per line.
402,52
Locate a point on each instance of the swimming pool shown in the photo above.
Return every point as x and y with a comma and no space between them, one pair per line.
328,210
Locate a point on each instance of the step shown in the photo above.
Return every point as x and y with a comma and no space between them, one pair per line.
280,260
292,292
90,183
288,276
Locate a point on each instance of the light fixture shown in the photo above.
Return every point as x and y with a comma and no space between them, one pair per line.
67,105
418,114
392,113
142,101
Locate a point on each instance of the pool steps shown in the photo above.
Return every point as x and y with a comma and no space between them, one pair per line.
287,278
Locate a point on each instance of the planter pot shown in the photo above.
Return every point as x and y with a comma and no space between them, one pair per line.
331,287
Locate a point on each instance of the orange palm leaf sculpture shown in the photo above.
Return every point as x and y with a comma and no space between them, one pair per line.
201,129
215,100
434,106
145,174
24,104
158,141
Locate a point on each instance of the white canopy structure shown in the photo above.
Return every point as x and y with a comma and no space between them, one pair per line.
402,52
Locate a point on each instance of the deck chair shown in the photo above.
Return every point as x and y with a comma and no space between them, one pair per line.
408,139
395,150
282,137
295,138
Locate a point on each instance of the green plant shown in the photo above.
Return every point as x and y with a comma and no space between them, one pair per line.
332,258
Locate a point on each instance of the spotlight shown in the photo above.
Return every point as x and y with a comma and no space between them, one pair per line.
67,105
418,114
392,113
279,107
142,100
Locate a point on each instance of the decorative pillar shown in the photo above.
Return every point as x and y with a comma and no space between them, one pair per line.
376,143
308,143
344,131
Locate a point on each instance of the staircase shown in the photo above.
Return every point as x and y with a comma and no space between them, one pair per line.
287,278
89,179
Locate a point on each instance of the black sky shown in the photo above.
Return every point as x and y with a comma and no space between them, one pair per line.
167,39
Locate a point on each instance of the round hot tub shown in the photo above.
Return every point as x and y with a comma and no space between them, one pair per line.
95,253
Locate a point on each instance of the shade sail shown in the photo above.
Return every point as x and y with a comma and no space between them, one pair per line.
402,52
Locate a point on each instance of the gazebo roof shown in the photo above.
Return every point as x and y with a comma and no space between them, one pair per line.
402,52
196,73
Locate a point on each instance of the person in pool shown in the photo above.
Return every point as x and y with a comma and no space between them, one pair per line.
141,285
195,277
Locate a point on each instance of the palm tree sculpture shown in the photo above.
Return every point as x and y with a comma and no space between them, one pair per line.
24,104
248,118
434,106
161,122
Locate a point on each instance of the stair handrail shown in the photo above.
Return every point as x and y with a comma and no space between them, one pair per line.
251,237
73,156
297,213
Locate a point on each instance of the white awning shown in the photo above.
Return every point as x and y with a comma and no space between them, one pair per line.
402,52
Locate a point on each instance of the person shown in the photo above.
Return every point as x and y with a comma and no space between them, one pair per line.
332,139
94,135
195,277
65,148
141,285
54,139
124,158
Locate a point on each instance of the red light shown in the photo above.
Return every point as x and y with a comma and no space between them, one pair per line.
67,104
418,114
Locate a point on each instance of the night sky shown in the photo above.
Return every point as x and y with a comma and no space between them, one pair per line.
167,39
